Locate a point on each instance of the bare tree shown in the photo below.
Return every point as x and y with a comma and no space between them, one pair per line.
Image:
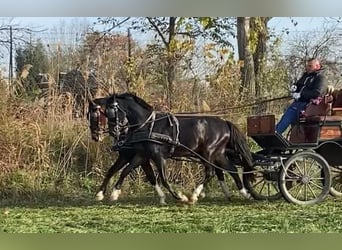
322,43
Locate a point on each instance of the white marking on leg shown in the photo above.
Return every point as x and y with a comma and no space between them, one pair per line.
196,193
225,189
202,194
115,195
245,193
183,197
161,194
99,196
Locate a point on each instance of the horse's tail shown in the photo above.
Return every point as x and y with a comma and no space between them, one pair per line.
238,144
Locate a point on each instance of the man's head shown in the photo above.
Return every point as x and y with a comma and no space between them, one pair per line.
312,65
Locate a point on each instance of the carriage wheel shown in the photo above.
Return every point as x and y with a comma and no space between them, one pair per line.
336,182
265,185
308,176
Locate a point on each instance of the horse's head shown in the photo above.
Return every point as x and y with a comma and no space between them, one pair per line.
97,118
117,117
126,111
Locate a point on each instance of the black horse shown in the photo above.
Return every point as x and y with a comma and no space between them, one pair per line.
158,136
97,121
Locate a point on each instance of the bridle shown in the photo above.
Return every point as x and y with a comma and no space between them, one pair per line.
112,113
94,117
121,127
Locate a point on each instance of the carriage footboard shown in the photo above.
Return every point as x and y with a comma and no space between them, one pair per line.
273,141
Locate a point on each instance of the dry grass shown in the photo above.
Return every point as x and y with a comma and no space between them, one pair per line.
43,148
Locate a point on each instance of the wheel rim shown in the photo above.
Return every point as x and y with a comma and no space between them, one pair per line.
305,179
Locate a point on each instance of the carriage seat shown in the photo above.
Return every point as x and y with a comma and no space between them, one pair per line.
337,103
319,121
323,109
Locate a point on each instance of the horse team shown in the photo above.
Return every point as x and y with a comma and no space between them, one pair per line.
144,135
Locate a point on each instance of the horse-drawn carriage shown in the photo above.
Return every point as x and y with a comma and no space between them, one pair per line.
306,165
303,167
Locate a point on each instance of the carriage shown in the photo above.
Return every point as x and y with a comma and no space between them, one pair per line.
304,166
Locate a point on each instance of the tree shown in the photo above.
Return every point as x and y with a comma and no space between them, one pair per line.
252,35
322,43
177,35
31,54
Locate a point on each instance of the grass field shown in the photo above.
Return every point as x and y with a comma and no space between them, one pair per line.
143,214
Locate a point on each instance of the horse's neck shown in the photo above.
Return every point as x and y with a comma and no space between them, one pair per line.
138,117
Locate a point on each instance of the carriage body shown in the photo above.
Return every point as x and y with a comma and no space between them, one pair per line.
317,135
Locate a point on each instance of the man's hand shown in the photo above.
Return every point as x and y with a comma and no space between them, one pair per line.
296,95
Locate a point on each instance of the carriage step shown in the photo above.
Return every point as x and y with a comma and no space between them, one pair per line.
264,162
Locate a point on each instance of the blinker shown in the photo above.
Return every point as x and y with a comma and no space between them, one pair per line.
111,111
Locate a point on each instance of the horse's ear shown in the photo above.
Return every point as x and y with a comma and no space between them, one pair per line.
90,99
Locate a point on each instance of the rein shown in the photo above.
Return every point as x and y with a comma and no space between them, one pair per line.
219,112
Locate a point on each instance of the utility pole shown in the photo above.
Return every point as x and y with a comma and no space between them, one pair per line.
129,43
129,60
10,73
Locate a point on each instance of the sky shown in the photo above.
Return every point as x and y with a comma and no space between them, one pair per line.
48,25
279,24
304,23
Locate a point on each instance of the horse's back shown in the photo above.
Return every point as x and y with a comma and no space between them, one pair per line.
202,130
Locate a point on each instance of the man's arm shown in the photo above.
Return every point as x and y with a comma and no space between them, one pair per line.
317,88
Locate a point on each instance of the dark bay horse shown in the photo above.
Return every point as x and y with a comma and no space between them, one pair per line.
97,121
97,124
158,136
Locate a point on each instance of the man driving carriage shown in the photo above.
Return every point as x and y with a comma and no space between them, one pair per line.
310,86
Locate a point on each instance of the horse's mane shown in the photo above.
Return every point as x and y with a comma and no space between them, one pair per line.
100,101
133,96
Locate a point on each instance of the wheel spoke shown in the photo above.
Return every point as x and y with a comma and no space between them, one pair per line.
276,188
316,185
262,187
299,190
299,169
311,165
257,183
312,191
291,171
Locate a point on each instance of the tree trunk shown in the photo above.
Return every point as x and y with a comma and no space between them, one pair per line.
259,25
245,56
170,70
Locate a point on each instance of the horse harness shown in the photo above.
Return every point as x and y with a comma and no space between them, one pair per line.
96,118
127,139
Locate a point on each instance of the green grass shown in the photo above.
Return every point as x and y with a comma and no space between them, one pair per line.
137,215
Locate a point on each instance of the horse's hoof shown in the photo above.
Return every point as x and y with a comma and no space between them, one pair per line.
112,198
183,198
192,201
99,196
163,203
202,195
228,197
115,195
